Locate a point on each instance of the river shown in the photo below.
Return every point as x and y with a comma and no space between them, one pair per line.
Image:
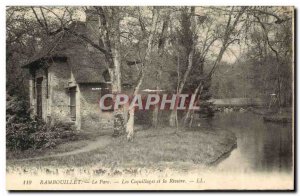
261,146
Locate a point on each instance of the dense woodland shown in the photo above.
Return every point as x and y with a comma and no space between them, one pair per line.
215,52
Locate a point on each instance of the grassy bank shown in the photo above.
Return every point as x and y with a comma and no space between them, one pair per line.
150,148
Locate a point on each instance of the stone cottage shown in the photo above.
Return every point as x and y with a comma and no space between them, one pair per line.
67,79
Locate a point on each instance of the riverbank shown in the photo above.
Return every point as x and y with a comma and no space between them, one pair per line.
262,146
282,115
151,148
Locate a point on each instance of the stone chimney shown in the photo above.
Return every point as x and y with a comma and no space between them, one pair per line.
92,24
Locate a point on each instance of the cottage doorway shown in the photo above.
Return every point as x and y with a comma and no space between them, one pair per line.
72,92
39,97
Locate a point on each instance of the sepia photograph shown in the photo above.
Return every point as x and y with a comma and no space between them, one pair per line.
158,98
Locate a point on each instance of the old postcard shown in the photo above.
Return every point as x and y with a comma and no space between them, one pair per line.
150,98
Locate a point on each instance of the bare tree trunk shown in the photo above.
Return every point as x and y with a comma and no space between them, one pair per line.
173,120
155,114
112,43
130,123
228,31
173,116
279,91
119,121
278,62
190,113
161,46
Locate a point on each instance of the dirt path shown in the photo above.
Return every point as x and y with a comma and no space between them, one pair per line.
99,142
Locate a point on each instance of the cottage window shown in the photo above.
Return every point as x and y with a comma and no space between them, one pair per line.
39,96
33,83
106,76
47,83
33,87
72,92
108,101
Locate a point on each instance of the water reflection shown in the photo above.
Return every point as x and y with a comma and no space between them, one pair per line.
260,146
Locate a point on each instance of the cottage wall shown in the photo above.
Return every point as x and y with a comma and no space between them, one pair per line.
83,70
59,77
56,106
92,118
31,96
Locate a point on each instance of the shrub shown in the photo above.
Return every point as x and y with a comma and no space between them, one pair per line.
25,132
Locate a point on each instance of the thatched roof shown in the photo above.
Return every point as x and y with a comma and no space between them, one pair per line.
86,64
